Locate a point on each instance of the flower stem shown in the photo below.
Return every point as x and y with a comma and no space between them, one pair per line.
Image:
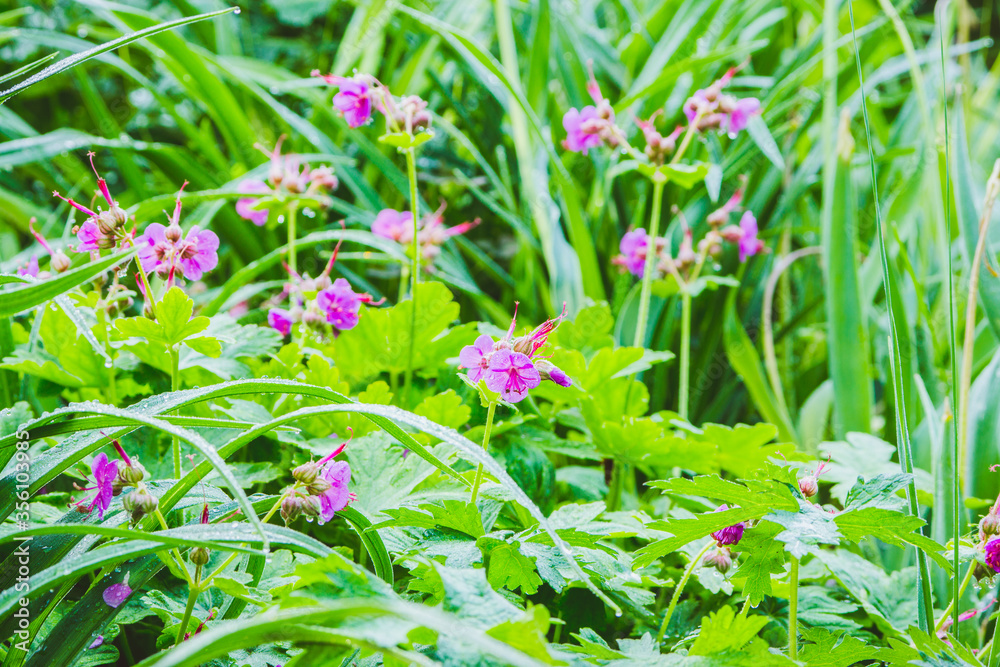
293,210
411,174
685,354
486,445
193,592
145,284
793,610
951,605
175,384
659,180
680,590
175,554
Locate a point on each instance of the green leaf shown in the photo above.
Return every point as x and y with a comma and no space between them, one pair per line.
449,514
806,529
404,141
762,556
26,296
446,409
757,129
892,528
173,324
822,648
724,631
77,58
507,567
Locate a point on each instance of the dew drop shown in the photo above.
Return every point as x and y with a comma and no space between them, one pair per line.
618,614
108,364
236,11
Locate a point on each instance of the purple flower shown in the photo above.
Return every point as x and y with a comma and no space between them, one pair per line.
475,357
244,206
992,550
634,247
511,374
337,497
198,253
354,99
98,641
738,118
90,237
549,371
115,594
730,534
698,102
30,269
280,320
104,473
749,244
341,304
579,126
395,225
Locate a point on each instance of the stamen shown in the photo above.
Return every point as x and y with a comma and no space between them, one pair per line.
72,203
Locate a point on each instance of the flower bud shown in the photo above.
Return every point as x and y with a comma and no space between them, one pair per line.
989,526
421,120
60,262
174,233
139,503
307,473
117,215
549,371
314,320
809,486
720,558
199,555
294,505
132,474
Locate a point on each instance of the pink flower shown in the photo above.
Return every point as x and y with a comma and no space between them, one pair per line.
168,252
341,304
749,244
354,99
539,336
90,237
475,357
698,102
992,549
103,229
730,534
30,269
104,473
337,497
115,594
244,206
511,374
280,320
634,246
395,225
582,129
739,116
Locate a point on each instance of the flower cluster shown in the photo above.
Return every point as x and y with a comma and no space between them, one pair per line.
172,254
102,229
286,176
593,125
710,108
360,95
109,480
320,489
635,244
721,557
511,366
989,536
323,305
431,232
58,262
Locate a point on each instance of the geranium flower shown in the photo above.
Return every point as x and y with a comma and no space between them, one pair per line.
280,320
511,374
475,357
711,108
634,246
740,114
103,229
583,129
338,475
730,534
341,304
168,252
394,225
354,99
749,244
244,206
30,269
104,473
992,550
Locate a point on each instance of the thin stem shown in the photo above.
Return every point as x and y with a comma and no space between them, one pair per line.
174,553
145,284
193,593
686,141
486,445
175,384
647,272
411,174
226,563
952,605
685,378
680,590
793,610
970,318
614,499
293,210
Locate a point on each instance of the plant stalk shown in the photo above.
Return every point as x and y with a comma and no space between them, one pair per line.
486,444
175,385
680,590
293,213
411,173
647,272
685,378
793,610
193,592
